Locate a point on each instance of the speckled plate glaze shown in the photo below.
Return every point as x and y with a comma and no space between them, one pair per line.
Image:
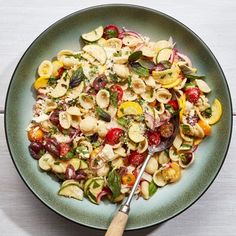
65,34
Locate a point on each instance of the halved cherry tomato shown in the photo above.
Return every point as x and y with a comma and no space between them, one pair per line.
110,31
35,134
167,129
174,104
64,148
113,136
206,128
154,137
119,90
136,158
128,179
193,94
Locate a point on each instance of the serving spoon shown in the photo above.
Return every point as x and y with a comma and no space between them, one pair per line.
118,223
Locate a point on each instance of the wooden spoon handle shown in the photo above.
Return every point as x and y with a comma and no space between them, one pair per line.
117,226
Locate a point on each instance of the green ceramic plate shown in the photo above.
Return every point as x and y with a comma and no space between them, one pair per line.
65,34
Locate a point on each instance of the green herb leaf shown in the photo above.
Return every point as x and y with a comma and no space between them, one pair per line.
114,183
152,188
114,98
129,80
77,77
135,56
193,77
103,115
123,121
139,70
146,63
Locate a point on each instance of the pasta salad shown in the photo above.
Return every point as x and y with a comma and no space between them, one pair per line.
98,109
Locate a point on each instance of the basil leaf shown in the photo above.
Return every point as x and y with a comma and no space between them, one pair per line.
114,183
146,64
103,115
139,70
77,77
135,56
152,188
114,99
186,70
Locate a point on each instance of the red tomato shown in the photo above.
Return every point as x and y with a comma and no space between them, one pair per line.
110,31
136,158
119,90
113,136
64,149
193,94
60,71
154,138
174,104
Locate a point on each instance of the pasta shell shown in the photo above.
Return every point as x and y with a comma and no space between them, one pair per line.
163,158
114,43
173,154
88,57
75,120
50,106
177,141
152,166
88,125
86,101
61,87
161,109
138,85
117,163
131,41
198,131
103,98
149,95
121,60
65,119
181,85
103,171
129,95
102,129
45,69
75,92
163,95
132,145
88,145
112,111
145,189
162,44
158,179
121,70
184,136
120,151
148,52
149,81
69,62
56,66
63,53
143,146
74,111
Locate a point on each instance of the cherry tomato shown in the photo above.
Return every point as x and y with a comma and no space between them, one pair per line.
206,128
64,148
128,179
119,90
136,158
154,137
35,134
110,31
167,130
60,72
174,104
113,136
193,94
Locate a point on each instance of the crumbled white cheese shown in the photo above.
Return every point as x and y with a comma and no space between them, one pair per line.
40,118
107,153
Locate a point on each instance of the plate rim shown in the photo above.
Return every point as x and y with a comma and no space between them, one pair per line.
128,6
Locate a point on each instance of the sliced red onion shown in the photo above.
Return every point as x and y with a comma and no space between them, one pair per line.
74,135
185,58
159,67
131,33
80,175
138,48
173,55
194,148
70,172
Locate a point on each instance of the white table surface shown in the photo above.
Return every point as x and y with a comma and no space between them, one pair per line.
21,213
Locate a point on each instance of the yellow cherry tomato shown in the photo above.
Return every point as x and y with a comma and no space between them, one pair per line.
35,134
206,128
41,82
129,108
128,179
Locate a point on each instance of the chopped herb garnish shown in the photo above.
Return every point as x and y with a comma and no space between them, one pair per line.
135,56
103,115
139,70
129,80
114,98
123,121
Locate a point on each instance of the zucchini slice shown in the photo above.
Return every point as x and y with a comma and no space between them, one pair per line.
83,165
97,52
93,35
71,191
